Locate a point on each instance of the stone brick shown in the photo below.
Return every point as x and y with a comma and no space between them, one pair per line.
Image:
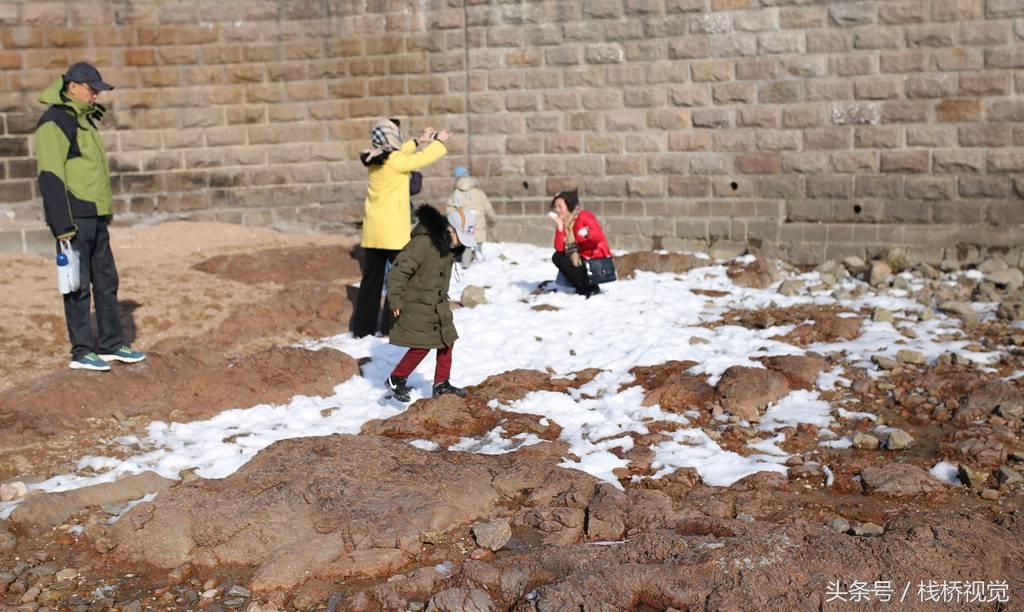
959,111
855,162
668,72
757,116
884,187
828,138
624,164
984,84
980,186
874,37
876,88
668,118
930,188
899,62
690,47
953,161
803,116
733,45
780,92
909,162
1005,57
852,65
859,113
878,137
734,93
931,86
689,141
959,59
987,135
712,118
1006,110
805,163
854,14
821,90
931,136
759,163
689,186
690,95
756,69
755,21
904,111
829,187
1001,9
803,66
912,11
710,163
712,70
932,35
779,140
1006,160
770,43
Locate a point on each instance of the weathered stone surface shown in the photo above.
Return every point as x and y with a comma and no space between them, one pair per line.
41,512
801,371
980,445
338,507
990,397
473,296
899,480
746,392
758,274
492,534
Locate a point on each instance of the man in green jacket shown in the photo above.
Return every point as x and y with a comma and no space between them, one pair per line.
74,180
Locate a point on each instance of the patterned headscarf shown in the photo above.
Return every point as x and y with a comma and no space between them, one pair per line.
385,137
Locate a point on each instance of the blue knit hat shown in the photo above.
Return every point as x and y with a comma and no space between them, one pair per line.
461,172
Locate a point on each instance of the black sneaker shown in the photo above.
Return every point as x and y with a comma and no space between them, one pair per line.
399,390
591,290
445,388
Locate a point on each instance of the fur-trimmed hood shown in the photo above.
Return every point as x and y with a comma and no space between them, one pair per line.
433,224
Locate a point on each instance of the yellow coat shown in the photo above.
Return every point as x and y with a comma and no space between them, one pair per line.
387,221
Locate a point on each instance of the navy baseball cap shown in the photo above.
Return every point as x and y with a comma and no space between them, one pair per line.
87,73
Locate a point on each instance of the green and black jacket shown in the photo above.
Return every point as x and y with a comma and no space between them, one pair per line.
74,177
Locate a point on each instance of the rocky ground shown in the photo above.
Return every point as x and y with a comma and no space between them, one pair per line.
857,511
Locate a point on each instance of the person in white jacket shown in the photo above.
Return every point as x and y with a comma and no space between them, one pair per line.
467,195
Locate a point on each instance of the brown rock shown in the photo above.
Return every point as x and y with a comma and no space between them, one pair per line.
682,393
981,445
826,328
285,266
442,420
759,274
39,513
673,263
515,384
746,391
899,480
340,507
801,371
996,395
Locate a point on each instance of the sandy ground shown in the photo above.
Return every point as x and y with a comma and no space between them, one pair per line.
161,295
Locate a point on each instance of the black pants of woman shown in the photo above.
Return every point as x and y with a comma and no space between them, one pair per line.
577,275
368,313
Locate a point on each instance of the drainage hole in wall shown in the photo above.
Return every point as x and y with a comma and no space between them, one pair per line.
526,185
734,185
857,208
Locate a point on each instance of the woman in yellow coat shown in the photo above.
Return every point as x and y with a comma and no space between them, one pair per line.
386,222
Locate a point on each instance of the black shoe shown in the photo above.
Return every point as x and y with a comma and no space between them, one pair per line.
399,390
445,388
591,290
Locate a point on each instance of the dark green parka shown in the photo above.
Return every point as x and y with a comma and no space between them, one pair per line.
418,285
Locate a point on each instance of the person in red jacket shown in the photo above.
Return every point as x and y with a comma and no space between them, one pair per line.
585,240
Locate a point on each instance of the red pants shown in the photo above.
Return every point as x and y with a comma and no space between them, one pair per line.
414,356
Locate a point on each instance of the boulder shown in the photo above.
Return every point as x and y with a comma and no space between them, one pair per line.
473,296
963,310
982,445
40,513
990,397
758,274
492,534
899,480
747,391
880,273
338,507
801,371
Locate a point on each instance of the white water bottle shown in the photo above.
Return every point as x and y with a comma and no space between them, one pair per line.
63,274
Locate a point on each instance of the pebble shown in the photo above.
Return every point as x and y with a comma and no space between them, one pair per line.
30,595
911,357
746,518
865,441
867,530
990,494
899,440
881,315
886,363
234,602
238,591
135,606
66,574
1008,476
839,524
210,593
11,491
970,477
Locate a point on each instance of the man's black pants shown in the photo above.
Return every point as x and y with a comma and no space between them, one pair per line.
98,270
368,308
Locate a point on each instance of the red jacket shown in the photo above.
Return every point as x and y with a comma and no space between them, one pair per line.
589,237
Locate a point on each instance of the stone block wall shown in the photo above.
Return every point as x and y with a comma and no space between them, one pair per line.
811,128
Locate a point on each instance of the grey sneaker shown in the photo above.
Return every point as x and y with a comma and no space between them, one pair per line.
89,361
124,354
399,390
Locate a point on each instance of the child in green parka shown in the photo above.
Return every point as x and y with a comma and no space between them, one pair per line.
418,294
